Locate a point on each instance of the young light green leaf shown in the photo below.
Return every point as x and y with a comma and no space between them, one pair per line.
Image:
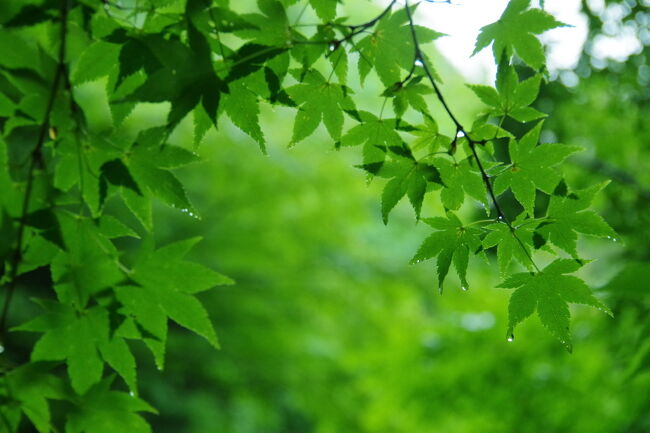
32,385
318,100
116,353
548,292
393,192
161,183
569,216
508,247
112,228
451,242
106,411
72,338
532,167
515,32
95,62
241,105
511,97
460,178
326,9
167,283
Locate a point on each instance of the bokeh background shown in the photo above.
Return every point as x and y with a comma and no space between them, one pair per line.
328,329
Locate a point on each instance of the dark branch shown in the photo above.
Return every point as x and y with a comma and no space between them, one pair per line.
34,161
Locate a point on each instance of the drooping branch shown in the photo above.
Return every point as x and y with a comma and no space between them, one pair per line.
461,131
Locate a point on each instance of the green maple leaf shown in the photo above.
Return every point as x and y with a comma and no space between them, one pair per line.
144,170
409,94
339,61
379,136
515,32
318,100
167,284
105,411
150,145
165,268
32,385
532,167
161,183
147,317
508,247
87,265
407,177
112,228
74,168
229,21
372,132
116,352
242,107
96,61
510,97
389,49
180,74
452,242
428,136
568,216
71,337
270,28
459,179
325,9
548,293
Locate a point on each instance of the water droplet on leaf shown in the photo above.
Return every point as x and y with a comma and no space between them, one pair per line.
463,288
190,213
418,62
511,338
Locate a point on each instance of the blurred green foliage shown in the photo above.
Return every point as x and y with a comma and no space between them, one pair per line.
327,328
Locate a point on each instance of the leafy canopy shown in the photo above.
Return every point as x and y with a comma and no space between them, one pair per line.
78,194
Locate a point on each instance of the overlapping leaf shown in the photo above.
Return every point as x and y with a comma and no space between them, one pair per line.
183,57
510,97
460,178
407,177
451,242
548,293
106,411
515,32
318,100
166,287
532,167
75,339
516,243
381,51
568,215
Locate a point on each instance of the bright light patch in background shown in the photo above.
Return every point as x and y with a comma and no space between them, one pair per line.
619,41
461,20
